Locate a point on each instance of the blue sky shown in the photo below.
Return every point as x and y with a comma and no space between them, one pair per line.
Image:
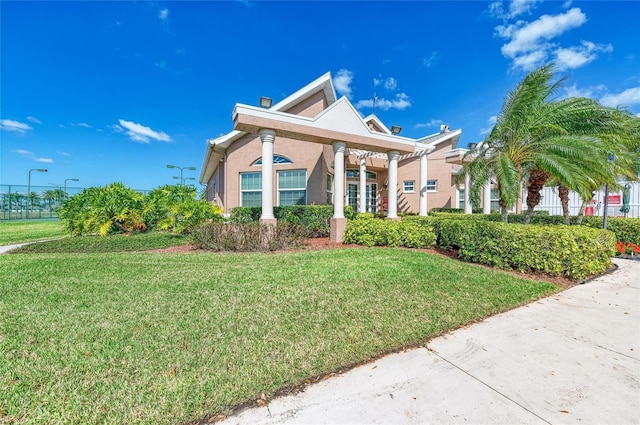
115,91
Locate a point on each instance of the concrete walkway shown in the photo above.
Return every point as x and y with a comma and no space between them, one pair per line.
570,358
7,248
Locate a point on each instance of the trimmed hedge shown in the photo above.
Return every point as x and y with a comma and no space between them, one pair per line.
371,231
315,219
571,251
627,230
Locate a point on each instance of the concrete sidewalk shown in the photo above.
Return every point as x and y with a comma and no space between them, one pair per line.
571,358
6,248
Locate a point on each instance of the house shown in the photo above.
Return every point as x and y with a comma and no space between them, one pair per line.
313,148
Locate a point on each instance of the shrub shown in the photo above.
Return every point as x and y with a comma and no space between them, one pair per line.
626,229
247,237
176,208
314,219
367,230
571,251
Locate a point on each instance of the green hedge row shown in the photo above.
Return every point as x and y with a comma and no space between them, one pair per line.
571,251
371,231
626,229
315,219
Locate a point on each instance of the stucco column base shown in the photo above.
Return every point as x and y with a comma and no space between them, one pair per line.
338,226
267,230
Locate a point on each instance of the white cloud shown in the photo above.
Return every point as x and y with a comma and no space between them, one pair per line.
430,60
628,97
34,120
491,122
391,83
83,124
31,156
163,14
141,133
342,82
429,124
567,4
17,126
577,56
516,8
63,153
401,102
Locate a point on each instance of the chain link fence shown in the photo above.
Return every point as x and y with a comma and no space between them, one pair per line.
21,202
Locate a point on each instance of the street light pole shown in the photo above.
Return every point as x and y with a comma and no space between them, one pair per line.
40,170
65,185
181,170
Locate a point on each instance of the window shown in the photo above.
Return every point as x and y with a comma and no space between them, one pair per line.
409,186
354,174
495,200
292,187
460,198
329,189
432,185
277,159
251,189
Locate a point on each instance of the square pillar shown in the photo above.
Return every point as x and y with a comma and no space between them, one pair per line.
362,188
267,137
392,191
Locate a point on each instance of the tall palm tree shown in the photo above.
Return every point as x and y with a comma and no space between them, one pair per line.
537,138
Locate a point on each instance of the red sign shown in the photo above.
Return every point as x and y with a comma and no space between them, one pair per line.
614,199
588,211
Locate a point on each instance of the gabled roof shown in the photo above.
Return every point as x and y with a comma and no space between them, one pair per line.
216,146
377,123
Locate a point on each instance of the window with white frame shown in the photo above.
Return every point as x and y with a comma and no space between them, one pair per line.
277,160
354,174
432,185
292,187
329,189
251,189
409,186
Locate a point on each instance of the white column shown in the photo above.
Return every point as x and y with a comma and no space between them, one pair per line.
267,137
338,179
392,192
486,198
362,188
467,194
423,184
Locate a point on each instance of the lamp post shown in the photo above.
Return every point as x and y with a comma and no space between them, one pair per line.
65,185
181,171
40,170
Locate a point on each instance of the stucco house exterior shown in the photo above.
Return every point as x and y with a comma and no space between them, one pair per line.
321,148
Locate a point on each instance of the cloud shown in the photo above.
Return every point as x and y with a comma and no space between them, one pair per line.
589,92
491,122
575,57
18,127
140,133
389,83
63,153
34,120
83,124
31,156
432,123
163,14
342,82
628,97
516,8
430,60
401,102
530,43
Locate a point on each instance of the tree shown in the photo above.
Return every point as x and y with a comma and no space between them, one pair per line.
537,138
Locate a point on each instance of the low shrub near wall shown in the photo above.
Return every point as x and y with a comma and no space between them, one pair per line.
368,230
247,237
314,219
571,251
627,230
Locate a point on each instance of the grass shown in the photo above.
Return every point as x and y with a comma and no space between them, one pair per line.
101,244
12,232
154,338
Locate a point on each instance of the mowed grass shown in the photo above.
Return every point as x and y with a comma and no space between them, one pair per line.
12,232
142,338
113,243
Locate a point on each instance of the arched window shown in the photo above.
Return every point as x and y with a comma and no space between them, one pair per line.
277,159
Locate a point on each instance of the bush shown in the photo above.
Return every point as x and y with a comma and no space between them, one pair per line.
247,237
627,230
571,251
314,219
370,231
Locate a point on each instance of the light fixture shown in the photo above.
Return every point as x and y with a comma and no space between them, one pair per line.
265,102
40,170
395,129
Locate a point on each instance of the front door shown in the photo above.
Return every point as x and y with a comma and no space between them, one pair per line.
371,193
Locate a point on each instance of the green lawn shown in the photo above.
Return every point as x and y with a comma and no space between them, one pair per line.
168,338
12,232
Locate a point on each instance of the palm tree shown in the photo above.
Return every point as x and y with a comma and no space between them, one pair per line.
537,138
